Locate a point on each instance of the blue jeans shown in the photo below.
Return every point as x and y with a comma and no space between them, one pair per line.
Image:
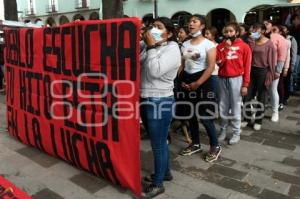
156,114
295,75
215,85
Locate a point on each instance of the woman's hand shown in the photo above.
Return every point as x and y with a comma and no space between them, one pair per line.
244,91
190,87
148,38
285,73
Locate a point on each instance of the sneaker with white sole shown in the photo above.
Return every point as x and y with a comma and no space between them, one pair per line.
213,154
222,136
244,124
191,149
235,139
257,127
275,117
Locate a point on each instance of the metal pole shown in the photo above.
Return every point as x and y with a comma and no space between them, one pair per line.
155,9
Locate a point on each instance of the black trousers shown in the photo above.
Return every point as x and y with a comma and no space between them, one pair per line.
256,88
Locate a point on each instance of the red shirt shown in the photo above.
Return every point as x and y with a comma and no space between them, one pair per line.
234,60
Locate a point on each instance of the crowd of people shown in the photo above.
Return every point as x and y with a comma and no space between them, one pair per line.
197,70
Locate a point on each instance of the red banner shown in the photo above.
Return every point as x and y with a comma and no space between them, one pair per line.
73,92
10,191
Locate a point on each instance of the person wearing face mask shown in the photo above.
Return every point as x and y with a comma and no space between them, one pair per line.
160,59
262,73
234,60
199,55
281,47
211,34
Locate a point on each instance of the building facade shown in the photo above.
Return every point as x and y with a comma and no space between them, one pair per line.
217,12
58,12
168,8
1,10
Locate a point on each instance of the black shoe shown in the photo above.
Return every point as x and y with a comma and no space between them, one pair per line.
168,177
213,154
152,190
191,149
280,108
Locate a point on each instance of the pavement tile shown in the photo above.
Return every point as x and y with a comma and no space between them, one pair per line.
29,152
294,191
38,156
267,182
277,144
252,138
204,196
267,194
90,183
294,102
110,192
226,171
46,194
291,162
225,161
286,178
239,186
293,118
297,172
64,170
297,112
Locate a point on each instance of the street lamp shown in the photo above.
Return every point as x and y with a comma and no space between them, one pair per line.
155,9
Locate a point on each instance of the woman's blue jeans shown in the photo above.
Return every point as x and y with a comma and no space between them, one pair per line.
156,114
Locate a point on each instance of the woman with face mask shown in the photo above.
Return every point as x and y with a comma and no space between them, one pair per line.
160,60
199,58
262,73
234,60
183,35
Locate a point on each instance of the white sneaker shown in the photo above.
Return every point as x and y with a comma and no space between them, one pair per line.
222,136
275,117
257,127
235,139
244,124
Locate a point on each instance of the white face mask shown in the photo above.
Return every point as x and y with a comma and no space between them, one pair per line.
156,34
196,34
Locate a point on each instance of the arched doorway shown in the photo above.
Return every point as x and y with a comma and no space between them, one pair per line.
181,18
219,17
94,16
63,20
78,17
147,19
256,14
50,22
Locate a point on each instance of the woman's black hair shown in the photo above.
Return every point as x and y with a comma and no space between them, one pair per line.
201,18
235,26
259,26
169,26
269,21
245,26
185,28
187,31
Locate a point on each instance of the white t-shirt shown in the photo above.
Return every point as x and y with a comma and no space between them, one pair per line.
216,71
195,56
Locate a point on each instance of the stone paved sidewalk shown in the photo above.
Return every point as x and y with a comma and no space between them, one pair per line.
265,165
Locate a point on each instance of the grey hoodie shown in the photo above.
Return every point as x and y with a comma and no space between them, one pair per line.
159,67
